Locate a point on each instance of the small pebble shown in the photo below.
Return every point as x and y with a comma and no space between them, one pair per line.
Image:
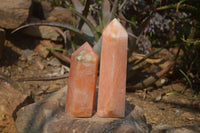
162,81
54,62
20,69
40,65
158,98
177,111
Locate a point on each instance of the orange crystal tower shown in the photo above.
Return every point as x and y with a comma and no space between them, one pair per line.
112,80
82,82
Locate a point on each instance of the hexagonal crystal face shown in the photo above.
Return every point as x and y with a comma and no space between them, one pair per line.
85,56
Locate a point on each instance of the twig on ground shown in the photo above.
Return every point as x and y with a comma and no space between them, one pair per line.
10,81
57,54
150,80
43,78
131,64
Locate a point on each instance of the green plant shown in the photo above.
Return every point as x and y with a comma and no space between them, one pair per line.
103,21
187,78
190,84
135,16
50,48
179,93
186,27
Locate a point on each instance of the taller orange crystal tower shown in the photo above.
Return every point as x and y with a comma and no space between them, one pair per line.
112,80
82,82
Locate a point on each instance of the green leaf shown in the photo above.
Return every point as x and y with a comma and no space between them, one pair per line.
55,24
179,93
174,92
91,26
114,10
190,83
50,48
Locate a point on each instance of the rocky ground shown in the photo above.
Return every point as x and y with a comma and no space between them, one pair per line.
24,58
21,59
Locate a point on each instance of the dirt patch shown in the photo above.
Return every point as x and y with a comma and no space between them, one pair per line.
167,110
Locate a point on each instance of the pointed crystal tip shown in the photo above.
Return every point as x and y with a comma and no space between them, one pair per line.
115,29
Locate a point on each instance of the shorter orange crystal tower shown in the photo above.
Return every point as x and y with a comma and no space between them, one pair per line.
112,80
82,82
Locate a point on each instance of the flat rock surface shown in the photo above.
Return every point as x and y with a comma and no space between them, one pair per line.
13,13
48,116
181,129
45,32
58,14
61,15
10,99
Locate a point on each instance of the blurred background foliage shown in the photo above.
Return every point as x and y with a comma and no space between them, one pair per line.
151,24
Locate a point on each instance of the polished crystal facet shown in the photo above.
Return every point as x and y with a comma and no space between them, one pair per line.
113,65
82,82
